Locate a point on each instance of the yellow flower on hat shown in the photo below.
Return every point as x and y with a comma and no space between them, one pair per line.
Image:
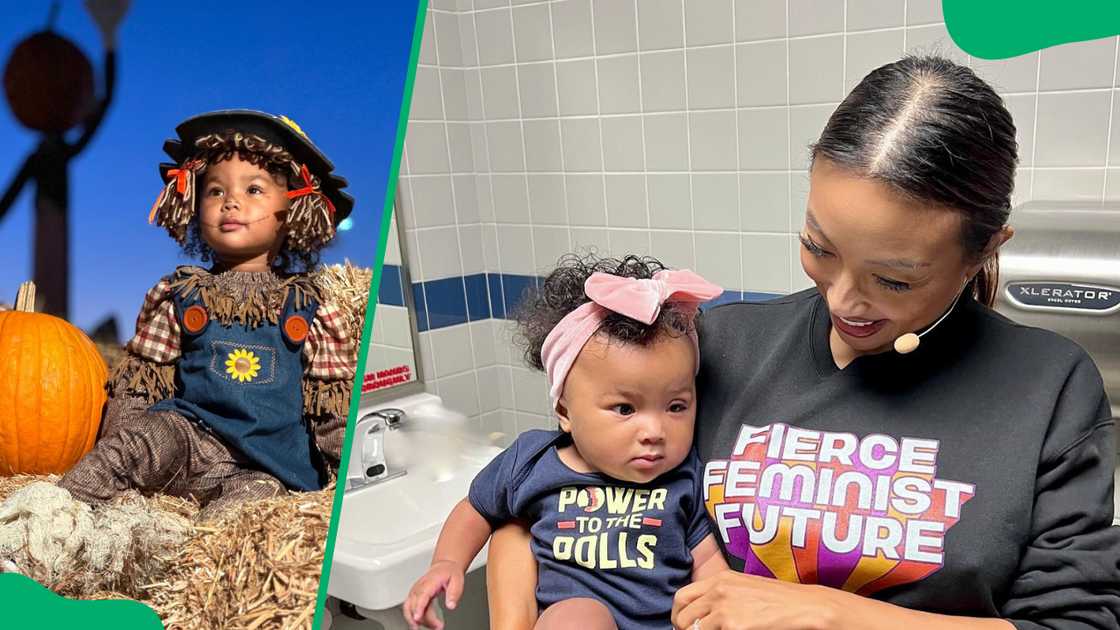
242,365
291,123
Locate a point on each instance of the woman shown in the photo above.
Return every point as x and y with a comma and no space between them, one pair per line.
964,483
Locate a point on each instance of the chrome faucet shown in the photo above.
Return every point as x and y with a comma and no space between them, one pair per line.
367,457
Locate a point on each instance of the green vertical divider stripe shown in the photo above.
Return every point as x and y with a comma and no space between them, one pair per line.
367,326
999,29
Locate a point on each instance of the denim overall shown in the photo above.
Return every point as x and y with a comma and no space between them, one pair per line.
245,385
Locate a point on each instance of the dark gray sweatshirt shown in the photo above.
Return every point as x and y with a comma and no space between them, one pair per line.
971,477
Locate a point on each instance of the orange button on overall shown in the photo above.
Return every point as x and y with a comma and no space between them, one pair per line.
296,328
195,318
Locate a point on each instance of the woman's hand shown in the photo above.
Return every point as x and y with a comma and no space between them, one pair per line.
735,601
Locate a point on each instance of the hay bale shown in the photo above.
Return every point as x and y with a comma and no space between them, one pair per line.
256,567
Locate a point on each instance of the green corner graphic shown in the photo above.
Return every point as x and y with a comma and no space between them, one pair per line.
998,29
40,608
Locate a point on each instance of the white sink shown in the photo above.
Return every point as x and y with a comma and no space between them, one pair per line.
387,531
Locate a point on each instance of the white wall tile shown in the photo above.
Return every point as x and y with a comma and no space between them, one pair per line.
1078,65
711,77
764,202
666,142
530,391
590,241
470,244
537,85
549,244
452,350
622,143
582,150
673,248
499,92
1017,74
439,252
766,262
431,201
816,69
1024,178
615,26
1070,129
515,246
717,258
531,33
495,36
490,251
626,201
449,47
546,199
618,85
585,199
426,101
805,127
427,145
811,17
466,198
506,150
663,83
542,145
484,189
413,253
923,11
460,392
488,396
867,51
759,19
762,75
472,79
763,142
427,357
934,39
669,202
578,90
459,143
629,242
715,201
799,199
864,14
511,198
469,39
660,24
454,90
708,22
1073,183
428,41
392,244
571,28
490,4
712,140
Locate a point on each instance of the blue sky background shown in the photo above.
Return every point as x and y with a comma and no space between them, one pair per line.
339,73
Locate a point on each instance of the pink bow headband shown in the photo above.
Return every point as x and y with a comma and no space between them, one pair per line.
638,299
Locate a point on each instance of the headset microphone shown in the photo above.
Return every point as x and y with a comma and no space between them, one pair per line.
909,342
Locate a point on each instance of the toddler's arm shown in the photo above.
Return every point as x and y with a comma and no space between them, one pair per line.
460,540
707,559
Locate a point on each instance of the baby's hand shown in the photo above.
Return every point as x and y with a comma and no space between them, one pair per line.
443,575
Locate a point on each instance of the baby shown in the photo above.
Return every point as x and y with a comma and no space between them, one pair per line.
612,498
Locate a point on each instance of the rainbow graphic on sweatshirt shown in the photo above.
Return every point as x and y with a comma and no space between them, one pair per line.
816,507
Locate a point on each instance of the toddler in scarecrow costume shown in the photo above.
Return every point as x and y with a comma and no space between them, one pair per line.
236,384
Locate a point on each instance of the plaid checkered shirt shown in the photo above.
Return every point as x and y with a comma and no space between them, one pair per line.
330,350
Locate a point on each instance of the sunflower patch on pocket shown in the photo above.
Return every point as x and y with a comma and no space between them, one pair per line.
243,364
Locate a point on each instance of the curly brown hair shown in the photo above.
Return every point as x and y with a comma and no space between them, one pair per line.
308,223
562,292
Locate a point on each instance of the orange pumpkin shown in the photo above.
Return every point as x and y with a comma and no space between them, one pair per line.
52,390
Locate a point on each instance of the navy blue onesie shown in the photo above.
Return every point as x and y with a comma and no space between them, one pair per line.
624,544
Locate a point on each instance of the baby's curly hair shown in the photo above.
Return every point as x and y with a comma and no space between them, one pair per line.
562,292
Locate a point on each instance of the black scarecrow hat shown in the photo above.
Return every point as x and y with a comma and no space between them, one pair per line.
279,130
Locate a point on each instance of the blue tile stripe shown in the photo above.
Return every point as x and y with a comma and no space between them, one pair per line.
461,299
